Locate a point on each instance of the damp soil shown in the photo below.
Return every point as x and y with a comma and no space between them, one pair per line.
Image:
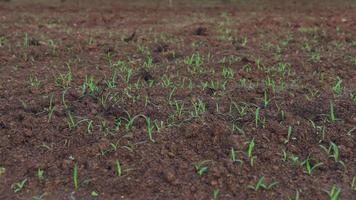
300,48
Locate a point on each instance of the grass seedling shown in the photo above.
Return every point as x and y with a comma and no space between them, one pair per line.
166,81
71,121
320,129
199,108
334,152
309,166
104,127
215,194
129,73
94,194
50,108
39,197
297,196
350,131
2,170
179,105
89,86
158,126
315,56
281,115
284,155
237,129
17,187
89,125
353,183
194,60
228,73
2,41
262,185
63,98
75,177
233,156
201,167
111,83
332,115
118,169
34,82
129,123
289,156
265,99
333,193
289,135
257,116
64,80
171,94
109,56
26,40
353,96
242,110
250,147
40,174
337,88
149,126
52,45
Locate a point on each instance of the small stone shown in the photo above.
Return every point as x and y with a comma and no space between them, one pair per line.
169,176
214,183
275,167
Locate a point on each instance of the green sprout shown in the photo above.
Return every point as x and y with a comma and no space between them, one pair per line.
309,166
50,108
233,155
250,148
265,99
332,115
353,183
75,177
34,81
2,170
333,193
89,86
337,88
118,169
17,187
262,185
94,194
289,135
257,116
201,167
297,196
215,194
150,126
40,174
334,152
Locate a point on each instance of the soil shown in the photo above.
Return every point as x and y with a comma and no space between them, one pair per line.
304,47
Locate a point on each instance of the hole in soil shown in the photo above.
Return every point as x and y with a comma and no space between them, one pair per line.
34,42
110,50
160,48
246,60
20,117
131,37
146,75
2,125
237,44
202,31
210,91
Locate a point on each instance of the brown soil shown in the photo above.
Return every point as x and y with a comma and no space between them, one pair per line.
291,52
